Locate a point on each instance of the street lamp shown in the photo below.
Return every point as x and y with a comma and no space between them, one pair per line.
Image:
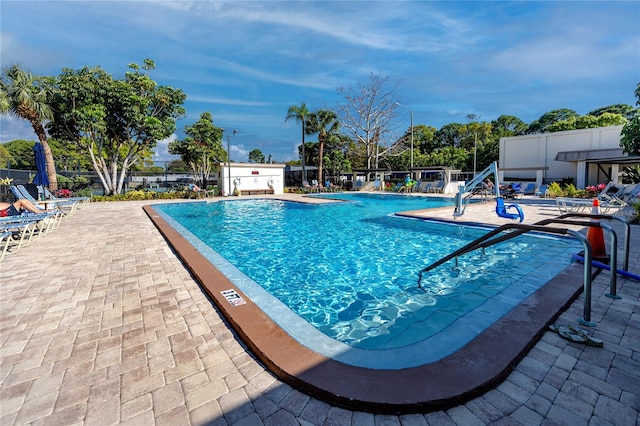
229,159
411,111
473,118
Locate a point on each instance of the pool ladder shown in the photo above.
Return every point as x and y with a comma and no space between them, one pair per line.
520,228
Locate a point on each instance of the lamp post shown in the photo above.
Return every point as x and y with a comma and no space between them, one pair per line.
473,118
411,111
229,158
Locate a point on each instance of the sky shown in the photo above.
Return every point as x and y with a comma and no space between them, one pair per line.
247,62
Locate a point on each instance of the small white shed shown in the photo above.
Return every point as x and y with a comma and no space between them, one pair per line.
250,178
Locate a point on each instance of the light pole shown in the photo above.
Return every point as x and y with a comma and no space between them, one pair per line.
473,118
411,111
229,158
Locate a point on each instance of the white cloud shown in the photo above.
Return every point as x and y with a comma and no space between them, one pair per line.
12,128
161,151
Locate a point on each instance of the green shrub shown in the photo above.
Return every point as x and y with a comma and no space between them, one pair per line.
636,218
571,190
555,190
85,192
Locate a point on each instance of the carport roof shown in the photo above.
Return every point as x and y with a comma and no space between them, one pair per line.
611,155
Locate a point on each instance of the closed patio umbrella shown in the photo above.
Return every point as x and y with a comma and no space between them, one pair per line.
41,177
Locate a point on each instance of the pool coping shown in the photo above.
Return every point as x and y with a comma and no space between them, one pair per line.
471,371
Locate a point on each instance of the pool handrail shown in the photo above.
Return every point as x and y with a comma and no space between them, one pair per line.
522,228
614,243
562,219
627,231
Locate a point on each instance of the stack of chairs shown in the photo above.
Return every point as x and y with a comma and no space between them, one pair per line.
80,200
20,231
67,206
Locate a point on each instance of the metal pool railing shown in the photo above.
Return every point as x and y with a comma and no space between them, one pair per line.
492,238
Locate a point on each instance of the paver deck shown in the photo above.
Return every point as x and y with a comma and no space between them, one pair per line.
100,323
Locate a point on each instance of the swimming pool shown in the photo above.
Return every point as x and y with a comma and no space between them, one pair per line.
350,269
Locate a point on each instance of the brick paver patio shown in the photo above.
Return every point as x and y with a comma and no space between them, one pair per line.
101,324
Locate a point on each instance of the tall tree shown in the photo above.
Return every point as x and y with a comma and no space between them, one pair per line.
587,122
542,124
367,115
425,138
508,125
201,147
256,156
299,113
630,135
28,97
451,135
625,110
325,123
116,122
5,155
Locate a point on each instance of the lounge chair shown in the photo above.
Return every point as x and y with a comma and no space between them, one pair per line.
530,189
19,191
25,229
308,188
631,195
608,202
439,187
427,187
49,196
5,239
19,231
542,191
502,210
518,191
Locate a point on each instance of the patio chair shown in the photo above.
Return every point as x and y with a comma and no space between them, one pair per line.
542,191
610,203
512,191
439,187
631,195
308,188
19,191
502,210
22,230
530,189
68,205
49,196
5,238
518,190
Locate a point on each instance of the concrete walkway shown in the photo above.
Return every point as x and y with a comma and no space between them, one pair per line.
101,324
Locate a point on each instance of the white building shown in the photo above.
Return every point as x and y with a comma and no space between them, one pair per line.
249,178
588,156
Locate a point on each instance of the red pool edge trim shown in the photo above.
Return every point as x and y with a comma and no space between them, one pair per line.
476,368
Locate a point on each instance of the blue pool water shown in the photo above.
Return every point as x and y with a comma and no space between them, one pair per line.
350,269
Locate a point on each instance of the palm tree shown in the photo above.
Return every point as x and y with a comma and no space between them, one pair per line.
325,123
299,113
27,97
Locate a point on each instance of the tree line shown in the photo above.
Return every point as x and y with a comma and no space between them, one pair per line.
88,119
363,133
